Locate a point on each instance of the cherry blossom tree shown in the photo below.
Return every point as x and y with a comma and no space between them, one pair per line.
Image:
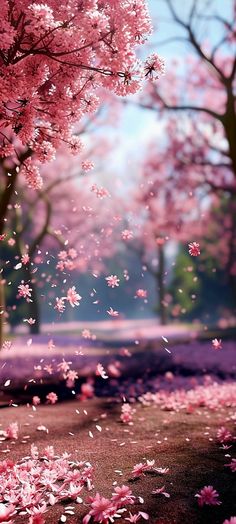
54,59
165,208
200,106
39,222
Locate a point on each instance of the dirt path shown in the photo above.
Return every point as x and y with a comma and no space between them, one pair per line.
186,444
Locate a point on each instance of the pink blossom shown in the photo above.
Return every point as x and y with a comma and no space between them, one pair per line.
217,344
194,249
231,520
100,371
154,66
6,512
232,465
101,509
73,297
112,281
31,321
137,516
87,390
209,496
87,165
60,305
37,514
25,259
11,242
24,290
127,413
112,312
127,234
141,293
122,495
101,192
224,435
12,431
36,400
52,398
139,469
161,491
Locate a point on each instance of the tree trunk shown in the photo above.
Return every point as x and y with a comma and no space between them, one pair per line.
232,248
34,308
2,311
35,311
161,286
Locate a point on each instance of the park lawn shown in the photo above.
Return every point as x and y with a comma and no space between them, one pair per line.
185,443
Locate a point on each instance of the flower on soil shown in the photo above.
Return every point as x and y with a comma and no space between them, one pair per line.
209,496
6,512
232,465
224,435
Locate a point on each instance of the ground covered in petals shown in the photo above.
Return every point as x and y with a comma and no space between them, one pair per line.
183,442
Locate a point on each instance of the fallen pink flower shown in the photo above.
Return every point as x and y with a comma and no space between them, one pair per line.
160,491
6,512
232,465
209,496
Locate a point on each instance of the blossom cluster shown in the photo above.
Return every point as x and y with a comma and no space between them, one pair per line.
213,396
30,486
54,58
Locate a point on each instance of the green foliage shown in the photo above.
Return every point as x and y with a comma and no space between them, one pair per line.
185,287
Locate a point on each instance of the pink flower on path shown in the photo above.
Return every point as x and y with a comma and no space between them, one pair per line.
231,520
112,281
101,510
232,465
139,469
209,496
24,290
224,435
217,344
73,297
6,512
127,413
161,491
122,496
52,398
12,431
194,249
137,516
37,515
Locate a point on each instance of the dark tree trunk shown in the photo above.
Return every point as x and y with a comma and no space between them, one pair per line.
160,275
34,308
232,248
